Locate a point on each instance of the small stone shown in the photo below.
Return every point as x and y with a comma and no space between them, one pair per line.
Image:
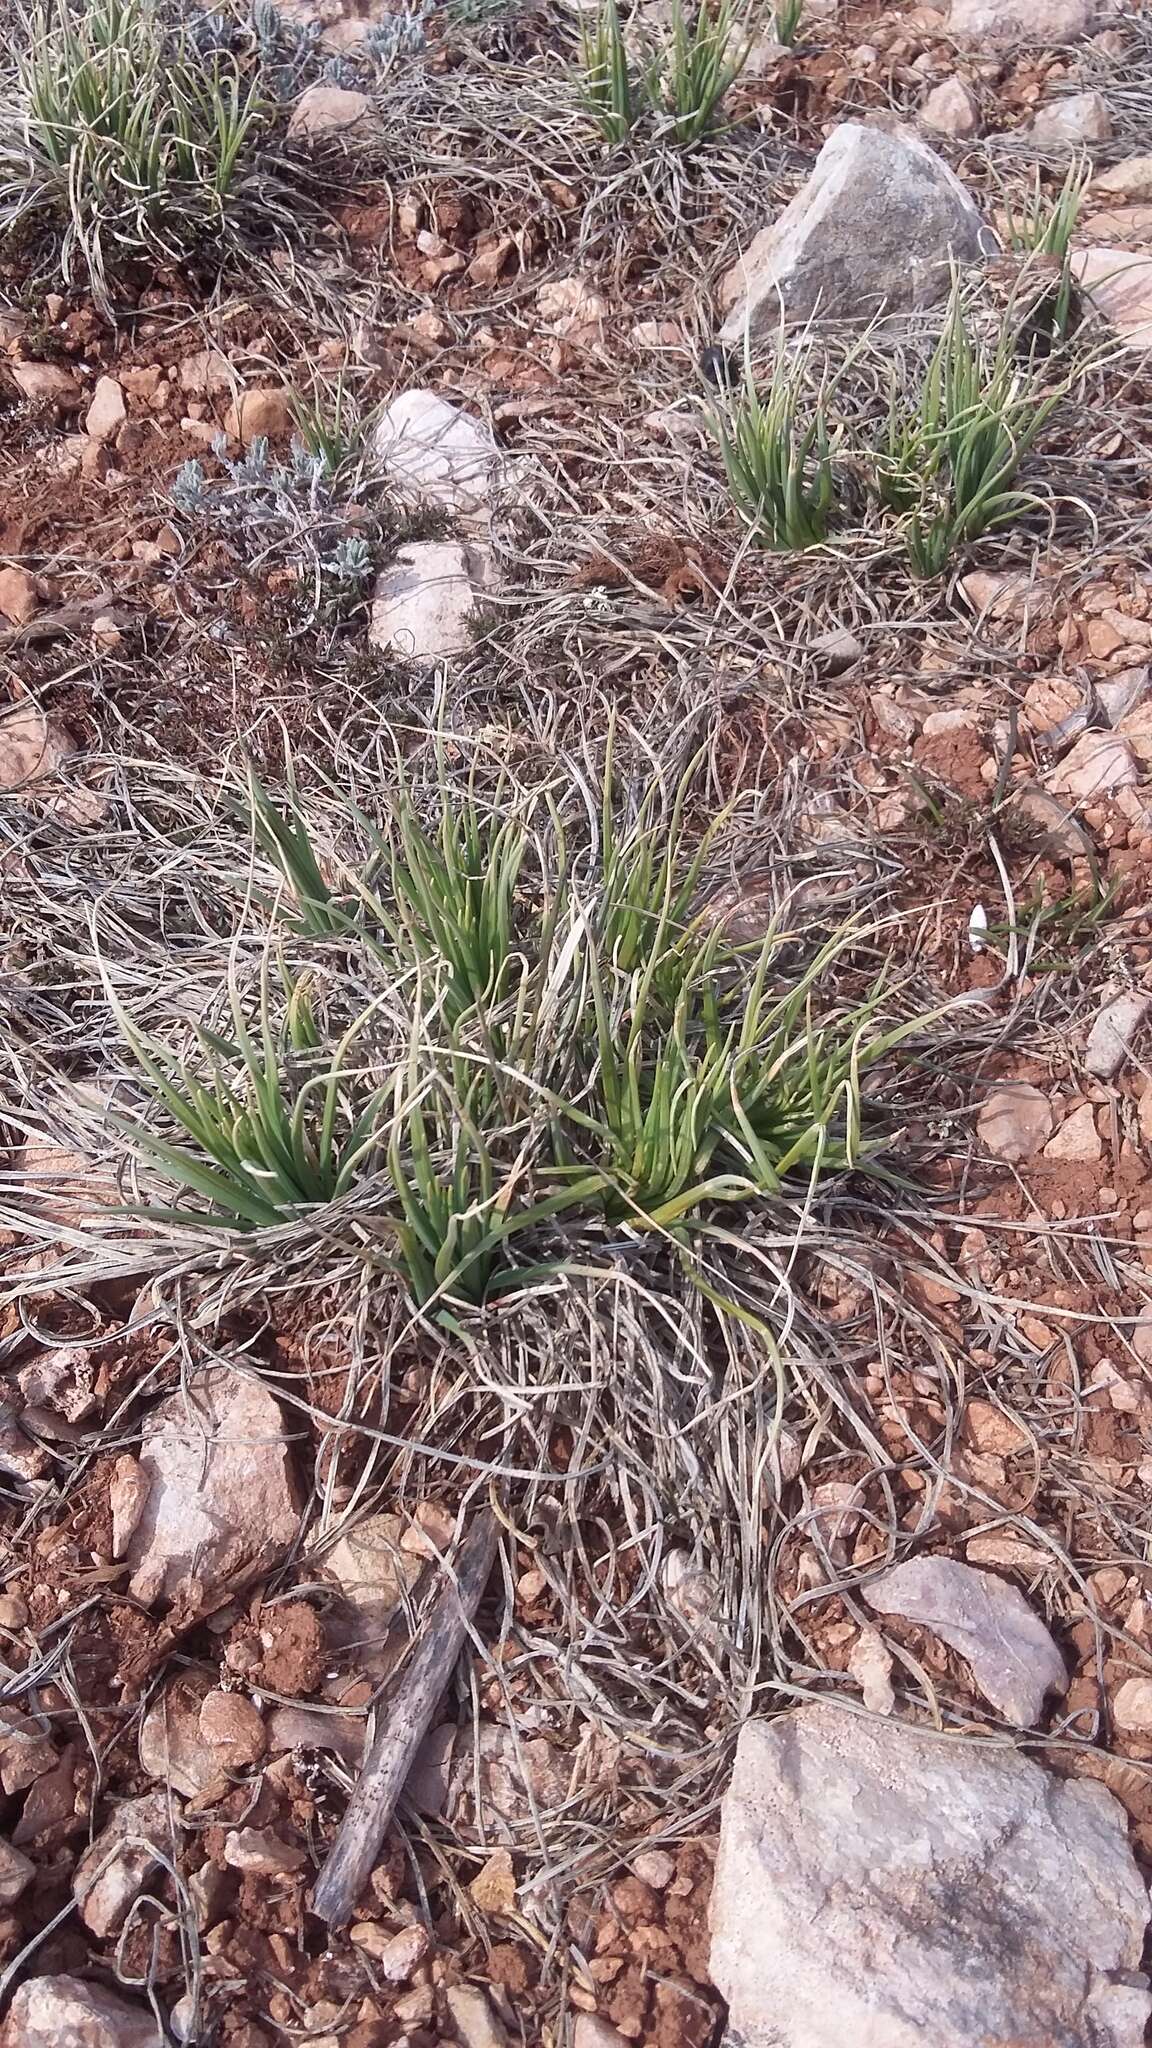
16,1873
398,1954
1114,1032
231,1724
26,1753
863,1866
19,599
1077,1139
107,412
429,329
485,267
425,600
172,1748
1062,837
1099,764
1082,117
1132,1706
472,2017
993,1432
436,453
263,412
326,110
1013,1659
1015,1121
222,1495
1131,179
654,1867
1119,283
571,308
13,1611
835,651
870,1664
261,1852
431,1532
65,2012
1010,1553
951,109
493,1889
291,1728
115,1868
1047,22
128,1490
48,384
375,1577
592,2032
878,225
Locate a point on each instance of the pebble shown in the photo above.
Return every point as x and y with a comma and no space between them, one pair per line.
262,1852
107,412
1015,1121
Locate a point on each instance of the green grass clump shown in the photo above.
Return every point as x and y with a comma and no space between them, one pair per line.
950,462
777,452
522,1044
681,82
124,134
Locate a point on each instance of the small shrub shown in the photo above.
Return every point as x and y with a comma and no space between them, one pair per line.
605,83
126,134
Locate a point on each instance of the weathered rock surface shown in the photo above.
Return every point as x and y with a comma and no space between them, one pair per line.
1130,179
326,110
1019,21
1012,1657
1081,117
425,599
19,598
376,1578
1099,763
1077,1138
263,412
222,1495
1119,283
115,1868
1015,1121
472,2017
64,2012
435,453
950,108
875,227
1113,1033
878,1886
107,412
16,1873
172,1748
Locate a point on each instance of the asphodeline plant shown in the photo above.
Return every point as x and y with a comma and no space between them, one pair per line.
950,462
777,449
1042,228
681,79
786,19
121,129
524,1044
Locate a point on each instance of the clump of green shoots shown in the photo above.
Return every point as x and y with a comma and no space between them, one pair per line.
682,83
541,1045
786,18
777,451
949,463
128,135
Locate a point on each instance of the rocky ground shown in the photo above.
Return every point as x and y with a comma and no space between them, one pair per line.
891,1518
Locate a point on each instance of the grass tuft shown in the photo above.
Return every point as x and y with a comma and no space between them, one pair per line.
777,452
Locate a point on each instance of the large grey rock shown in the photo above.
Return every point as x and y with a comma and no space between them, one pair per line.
875,228
222,1497
1019,21
883,1887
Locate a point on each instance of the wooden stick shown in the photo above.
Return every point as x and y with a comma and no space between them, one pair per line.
365,1824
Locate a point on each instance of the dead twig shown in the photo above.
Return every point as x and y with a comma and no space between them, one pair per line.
402,1730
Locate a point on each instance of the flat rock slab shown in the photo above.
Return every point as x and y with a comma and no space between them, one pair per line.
1046,22
1119,283
1012,1657
222,1496
875,229
424,601
878,1887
